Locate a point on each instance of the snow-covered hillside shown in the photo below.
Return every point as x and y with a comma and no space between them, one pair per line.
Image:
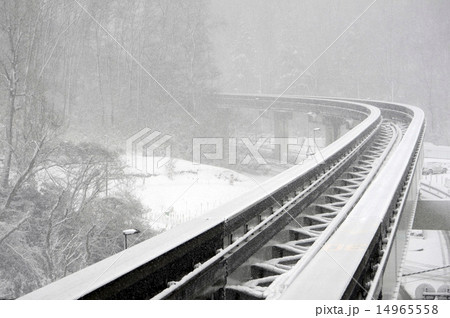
182,191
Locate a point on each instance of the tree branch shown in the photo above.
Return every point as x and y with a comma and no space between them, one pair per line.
23,177
14,228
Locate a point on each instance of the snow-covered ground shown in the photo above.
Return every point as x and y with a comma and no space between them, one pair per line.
427,250
439,181
185,191
440,156
436,151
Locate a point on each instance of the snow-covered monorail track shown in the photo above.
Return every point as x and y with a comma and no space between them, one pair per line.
363,259
194,259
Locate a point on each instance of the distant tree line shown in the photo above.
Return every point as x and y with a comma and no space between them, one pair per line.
74,83
398,50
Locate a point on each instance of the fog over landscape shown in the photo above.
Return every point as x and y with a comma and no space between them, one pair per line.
78,78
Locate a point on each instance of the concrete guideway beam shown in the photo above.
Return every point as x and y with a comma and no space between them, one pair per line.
379,223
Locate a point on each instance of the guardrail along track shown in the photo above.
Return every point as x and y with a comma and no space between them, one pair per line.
301,239
246,233
363,259
203,258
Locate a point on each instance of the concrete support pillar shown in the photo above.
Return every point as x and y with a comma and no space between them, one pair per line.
281,127
333,128
224,130
281,123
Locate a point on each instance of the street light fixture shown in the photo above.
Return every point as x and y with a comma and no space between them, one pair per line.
125,235
314,134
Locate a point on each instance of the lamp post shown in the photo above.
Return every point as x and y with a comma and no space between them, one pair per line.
309,151
125,234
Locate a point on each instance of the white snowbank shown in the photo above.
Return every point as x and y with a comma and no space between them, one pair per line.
188,190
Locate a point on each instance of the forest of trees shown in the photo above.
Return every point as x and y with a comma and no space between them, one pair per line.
398,50
78,77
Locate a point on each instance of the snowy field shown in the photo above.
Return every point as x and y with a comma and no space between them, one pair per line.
182,191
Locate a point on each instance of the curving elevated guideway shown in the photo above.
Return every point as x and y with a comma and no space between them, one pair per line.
196,259
363,257
297,244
